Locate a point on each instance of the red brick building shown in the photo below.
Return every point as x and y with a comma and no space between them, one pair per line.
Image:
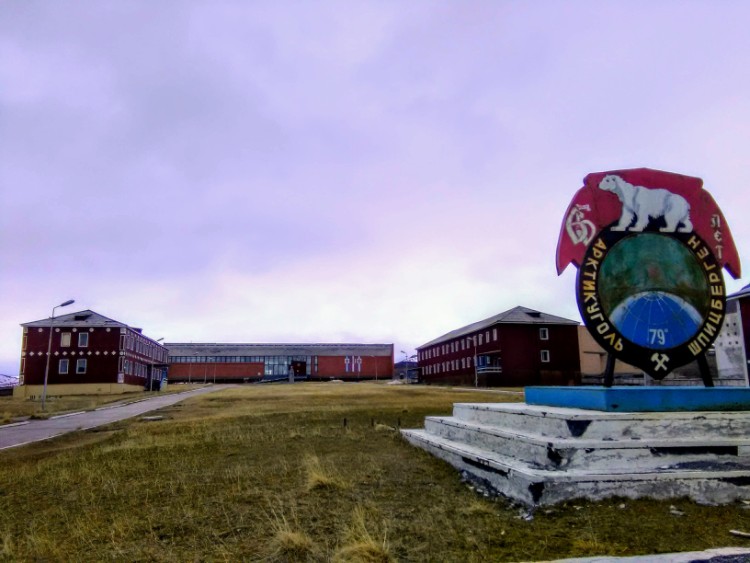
90,353
207,362
515,348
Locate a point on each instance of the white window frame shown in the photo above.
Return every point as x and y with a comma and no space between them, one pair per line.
65,338
545,356
81,365
63,362
83,336
544,333
494,335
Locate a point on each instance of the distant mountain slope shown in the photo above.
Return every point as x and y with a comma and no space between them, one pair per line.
8,380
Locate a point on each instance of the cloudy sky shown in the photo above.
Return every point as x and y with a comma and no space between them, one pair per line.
340,171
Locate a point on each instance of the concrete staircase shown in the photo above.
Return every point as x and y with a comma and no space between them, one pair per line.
541,455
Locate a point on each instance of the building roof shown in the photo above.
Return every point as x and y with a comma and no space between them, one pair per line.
744,292
84,319
87,318
228,349
516,315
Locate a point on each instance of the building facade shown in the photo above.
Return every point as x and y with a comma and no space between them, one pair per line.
731,345
515,348
90,353
206,362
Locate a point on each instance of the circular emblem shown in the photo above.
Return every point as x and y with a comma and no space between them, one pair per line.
655,300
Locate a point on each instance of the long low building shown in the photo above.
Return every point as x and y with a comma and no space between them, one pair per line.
221,362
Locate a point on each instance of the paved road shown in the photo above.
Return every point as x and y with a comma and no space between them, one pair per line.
13,435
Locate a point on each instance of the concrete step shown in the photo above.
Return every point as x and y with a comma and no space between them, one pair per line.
536,486
558,454
555,422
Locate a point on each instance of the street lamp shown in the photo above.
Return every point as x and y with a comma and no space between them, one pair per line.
49,349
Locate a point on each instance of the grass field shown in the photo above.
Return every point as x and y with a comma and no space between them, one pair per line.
309,472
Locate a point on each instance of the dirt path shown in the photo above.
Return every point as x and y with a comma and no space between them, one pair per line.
13,435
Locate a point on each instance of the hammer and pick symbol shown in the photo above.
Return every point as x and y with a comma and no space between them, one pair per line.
661,361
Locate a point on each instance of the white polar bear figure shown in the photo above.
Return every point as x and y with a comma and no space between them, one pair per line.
648,203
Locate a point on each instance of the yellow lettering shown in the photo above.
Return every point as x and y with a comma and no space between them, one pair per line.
702,253
601,328
695,348
717,304
589,285
694,242
713,277
717,290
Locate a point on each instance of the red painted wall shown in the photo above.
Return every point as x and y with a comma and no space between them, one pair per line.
103,353
100,368
372,367
222,371
519,347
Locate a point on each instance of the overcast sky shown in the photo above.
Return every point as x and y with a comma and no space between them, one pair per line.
340,171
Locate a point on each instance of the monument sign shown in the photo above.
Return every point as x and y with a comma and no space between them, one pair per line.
649,247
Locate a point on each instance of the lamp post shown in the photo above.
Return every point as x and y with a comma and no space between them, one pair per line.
49,349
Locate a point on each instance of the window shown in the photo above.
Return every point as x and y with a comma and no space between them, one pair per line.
83,339
63,367
487,336
81,366
494,334
545,356
65,339
543,333
480,339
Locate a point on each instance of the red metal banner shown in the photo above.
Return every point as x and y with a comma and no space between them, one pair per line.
643,199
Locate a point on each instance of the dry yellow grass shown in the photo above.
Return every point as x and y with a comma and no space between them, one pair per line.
359,546
201,483
321,476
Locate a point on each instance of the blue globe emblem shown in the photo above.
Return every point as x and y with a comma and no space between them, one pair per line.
656,319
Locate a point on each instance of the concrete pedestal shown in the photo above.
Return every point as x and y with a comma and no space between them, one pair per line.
541,455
